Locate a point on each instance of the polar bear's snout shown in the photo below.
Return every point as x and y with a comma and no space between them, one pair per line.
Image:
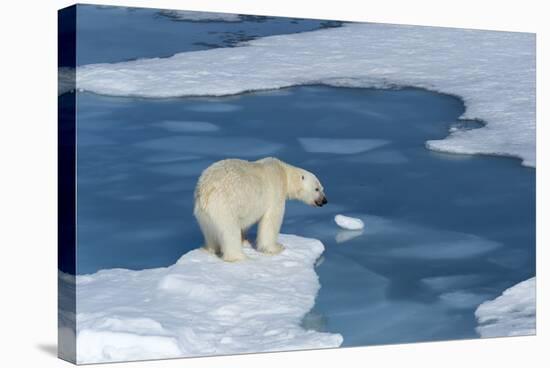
321,201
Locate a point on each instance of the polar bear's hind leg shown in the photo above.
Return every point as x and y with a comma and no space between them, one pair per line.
231,244
209,232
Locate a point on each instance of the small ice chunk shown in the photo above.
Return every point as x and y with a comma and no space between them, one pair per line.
349,223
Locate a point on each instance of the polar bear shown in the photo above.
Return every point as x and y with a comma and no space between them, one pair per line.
232,195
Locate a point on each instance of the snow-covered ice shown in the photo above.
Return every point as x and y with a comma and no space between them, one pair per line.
493,72
199,16
349,223
202,306
511,314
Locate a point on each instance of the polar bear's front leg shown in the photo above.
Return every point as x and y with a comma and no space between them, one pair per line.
268,231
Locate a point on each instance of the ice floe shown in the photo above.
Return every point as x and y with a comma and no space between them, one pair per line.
201,306
349,223
493,72
511,314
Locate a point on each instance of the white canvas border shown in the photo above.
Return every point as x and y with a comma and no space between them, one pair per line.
28,184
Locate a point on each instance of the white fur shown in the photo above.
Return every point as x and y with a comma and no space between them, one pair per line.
232,195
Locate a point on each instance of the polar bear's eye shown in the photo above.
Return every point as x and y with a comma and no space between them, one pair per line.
316,189
303,177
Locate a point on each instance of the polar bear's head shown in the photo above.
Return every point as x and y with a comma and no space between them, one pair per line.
307,188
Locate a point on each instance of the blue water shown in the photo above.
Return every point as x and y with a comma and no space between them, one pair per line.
443,232
111,34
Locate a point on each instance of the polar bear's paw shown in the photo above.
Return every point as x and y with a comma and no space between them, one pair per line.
246,244
209,249
234,257
273,250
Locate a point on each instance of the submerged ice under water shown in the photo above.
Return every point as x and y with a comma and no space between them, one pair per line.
442,234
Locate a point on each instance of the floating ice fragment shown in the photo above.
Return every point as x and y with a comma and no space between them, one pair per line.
349,223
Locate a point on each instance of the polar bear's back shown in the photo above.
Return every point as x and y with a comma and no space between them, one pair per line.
231,183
